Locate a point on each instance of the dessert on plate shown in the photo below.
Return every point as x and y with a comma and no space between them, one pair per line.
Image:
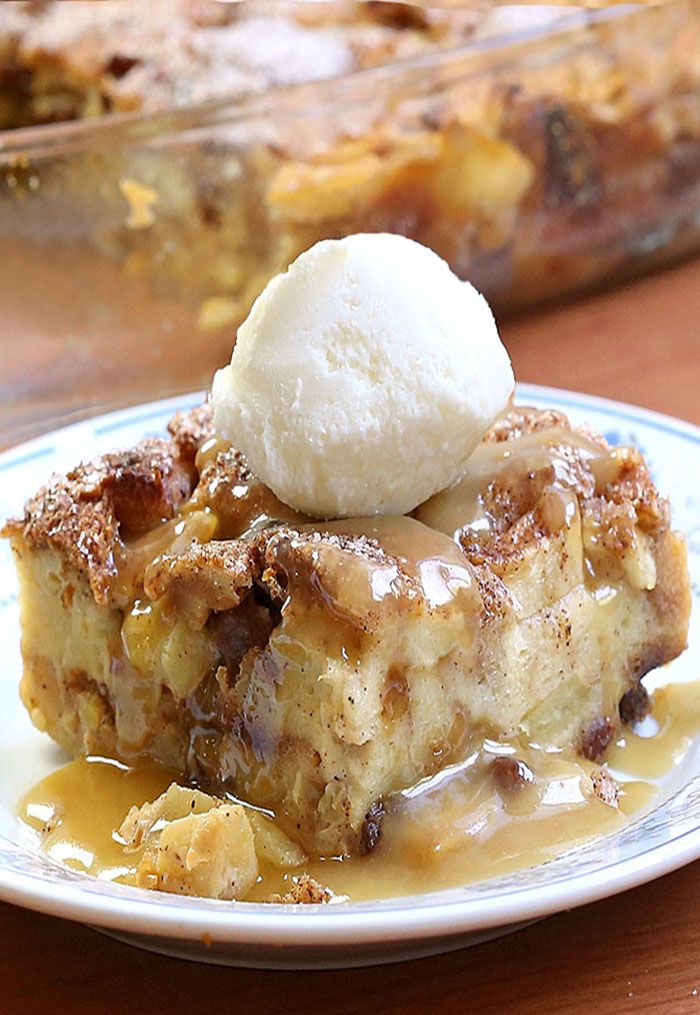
356,573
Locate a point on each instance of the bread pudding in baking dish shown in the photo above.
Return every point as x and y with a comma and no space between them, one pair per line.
537,154
315,671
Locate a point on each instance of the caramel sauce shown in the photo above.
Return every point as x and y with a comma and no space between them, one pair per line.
461,508
209,450
243,504
172,536
431,558
78,808
458,827
661,741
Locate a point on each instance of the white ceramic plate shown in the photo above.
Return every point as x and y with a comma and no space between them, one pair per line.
350,933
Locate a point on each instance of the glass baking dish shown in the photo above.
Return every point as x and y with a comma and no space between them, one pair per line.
540,162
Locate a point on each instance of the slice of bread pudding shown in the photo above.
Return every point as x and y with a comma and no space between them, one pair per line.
173,607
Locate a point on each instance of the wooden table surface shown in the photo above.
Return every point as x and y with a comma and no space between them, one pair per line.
638,952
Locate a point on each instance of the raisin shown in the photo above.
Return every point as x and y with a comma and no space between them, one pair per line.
511,774
372,827
596,738
634,705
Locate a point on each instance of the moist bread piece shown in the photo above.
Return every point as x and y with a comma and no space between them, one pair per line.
317,669
86,514
304,890
193,844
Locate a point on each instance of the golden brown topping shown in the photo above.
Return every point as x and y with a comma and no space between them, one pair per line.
145,485
301,543
205,577
500,553
191,429
520,421
331,568
633,485
237,497
86,514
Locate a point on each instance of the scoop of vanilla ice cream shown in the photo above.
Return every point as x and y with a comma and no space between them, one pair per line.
363,378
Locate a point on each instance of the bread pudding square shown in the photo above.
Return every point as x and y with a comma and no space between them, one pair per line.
172,607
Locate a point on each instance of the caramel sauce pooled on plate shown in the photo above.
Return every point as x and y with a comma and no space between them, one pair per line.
506,807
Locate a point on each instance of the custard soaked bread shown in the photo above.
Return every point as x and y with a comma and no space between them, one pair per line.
172,606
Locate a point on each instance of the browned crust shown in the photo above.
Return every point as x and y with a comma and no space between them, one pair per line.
309,561
237,497
218,575
633,486
296,544
520,421
513,502
86,514
211,576
499,553
616,506
508,501
191,429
